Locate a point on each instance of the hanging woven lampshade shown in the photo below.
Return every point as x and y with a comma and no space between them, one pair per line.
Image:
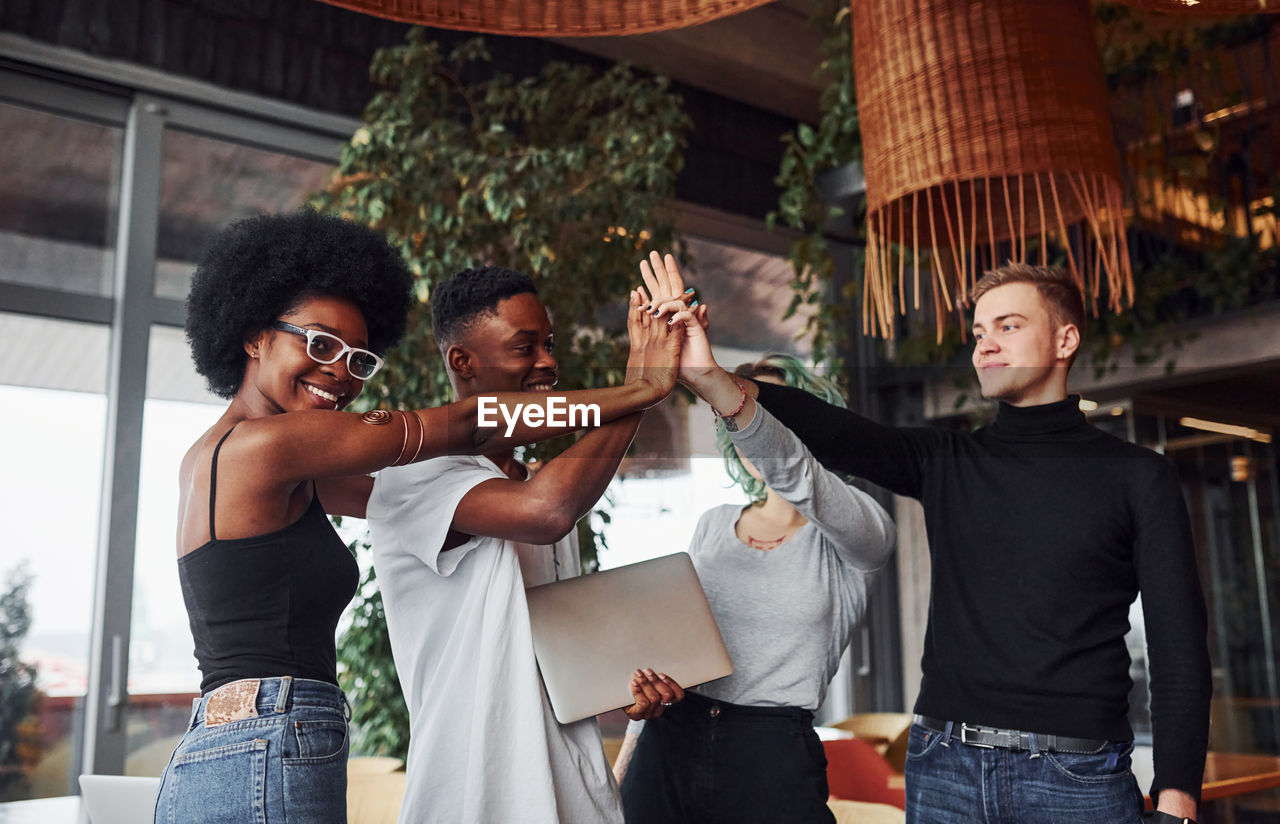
983,122
552,18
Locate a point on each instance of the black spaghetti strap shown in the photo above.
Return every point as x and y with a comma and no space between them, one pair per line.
213,480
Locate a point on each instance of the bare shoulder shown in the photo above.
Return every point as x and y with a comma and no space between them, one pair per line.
257,440
244,453
262,434
193,490
200,452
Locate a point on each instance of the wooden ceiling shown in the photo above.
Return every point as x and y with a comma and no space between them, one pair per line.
765,57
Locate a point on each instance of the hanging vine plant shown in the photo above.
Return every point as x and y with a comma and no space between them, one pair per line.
810,153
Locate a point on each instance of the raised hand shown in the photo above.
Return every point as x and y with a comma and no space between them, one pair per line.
668,299
655,348
636,336
662,278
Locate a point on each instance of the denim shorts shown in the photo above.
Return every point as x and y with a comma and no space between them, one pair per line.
287,764
949,782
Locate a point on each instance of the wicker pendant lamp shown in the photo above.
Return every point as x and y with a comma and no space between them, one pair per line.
552,18
985,132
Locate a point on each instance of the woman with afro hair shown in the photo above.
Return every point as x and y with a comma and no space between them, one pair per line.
287,317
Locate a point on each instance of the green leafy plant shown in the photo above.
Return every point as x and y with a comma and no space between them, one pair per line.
368,672
17,679
567,175
810,153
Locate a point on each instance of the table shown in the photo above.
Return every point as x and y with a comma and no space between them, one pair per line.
1226,774
65,809
1232,773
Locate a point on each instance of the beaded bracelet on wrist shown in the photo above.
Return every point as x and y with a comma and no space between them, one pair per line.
729,423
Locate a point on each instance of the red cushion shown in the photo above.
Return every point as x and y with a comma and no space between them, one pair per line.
856,772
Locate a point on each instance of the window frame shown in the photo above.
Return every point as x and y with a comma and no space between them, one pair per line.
144,103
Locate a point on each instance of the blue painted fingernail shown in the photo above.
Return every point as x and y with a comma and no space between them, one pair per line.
695,303
673,320
687,291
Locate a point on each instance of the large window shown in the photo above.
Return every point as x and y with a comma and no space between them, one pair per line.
1228,466
106,199
52,419
162,671
58,196
1231,485
58,211
1228,472
207,183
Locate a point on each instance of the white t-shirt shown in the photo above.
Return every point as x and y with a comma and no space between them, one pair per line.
484,746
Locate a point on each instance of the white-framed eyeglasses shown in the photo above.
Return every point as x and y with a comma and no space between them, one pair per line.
323,347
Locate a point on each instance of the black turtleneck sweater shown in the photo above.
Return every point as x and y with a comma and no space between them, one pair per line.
1042,530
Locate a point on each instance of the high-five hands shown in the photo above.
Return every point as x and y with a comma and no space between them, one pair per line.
655,349
667,298
731,399
653,692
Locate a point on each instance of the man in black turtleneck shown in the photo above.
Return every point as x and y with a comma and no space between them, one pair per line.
1042,531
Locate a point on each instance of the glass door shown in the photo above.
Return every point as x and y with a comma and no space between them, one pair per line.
1231,485
59,199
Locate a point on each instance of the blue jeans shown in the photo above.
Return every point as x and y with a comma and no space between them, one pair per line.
287,764
953,783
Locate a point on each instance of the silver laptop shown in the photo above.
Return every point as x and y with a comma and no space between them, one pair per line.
119,799
591,633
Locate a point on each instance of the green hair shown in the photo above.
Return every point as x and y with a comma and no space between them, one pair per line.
791,371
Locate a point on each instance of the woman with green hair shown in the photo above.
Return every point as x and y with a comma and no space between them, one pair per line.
784,370
787,578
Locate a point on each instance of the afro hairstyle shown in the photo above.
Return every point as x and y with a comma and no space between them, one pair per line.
470,294
262,267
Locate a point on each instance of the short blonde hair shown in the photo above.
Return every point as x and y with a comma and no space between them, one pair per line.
1057,288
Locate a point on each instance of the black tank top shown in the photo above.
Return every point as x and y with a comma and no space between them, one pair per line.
268,605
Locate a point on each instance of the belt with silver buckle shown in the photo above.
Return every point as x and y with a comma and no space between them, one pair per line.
992,738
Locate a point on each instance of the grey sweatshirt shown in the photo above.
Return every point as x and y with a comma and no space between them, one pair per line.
787,614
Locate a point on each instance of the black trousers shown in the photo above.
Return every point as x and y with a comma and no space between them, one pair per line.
706,762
